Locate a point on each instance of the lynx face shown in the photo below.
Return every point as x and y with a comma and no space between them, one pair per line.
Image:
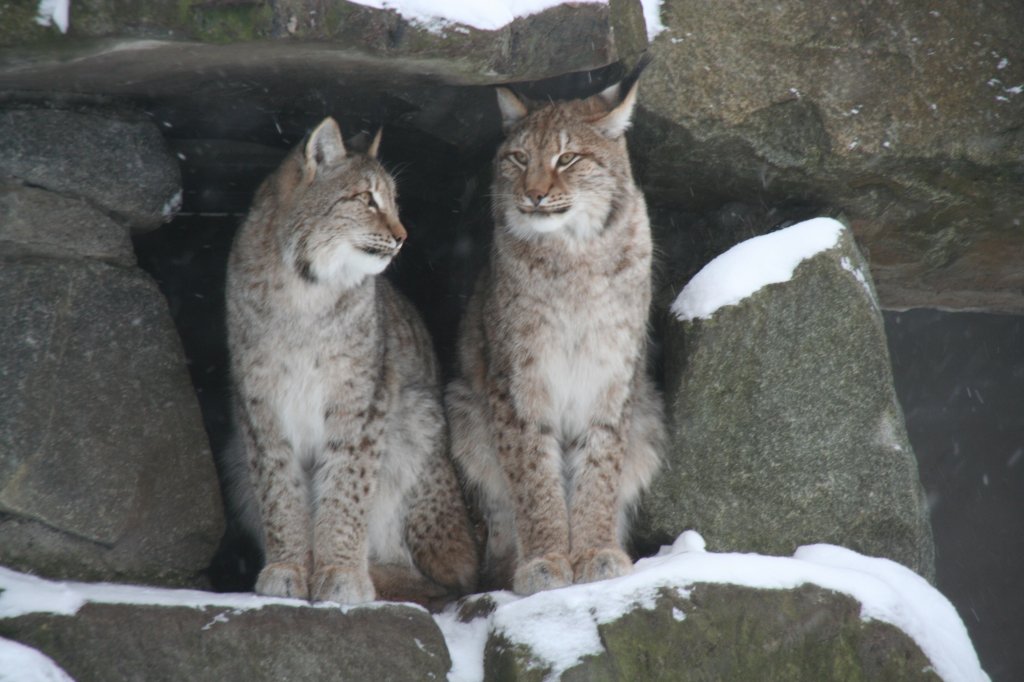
344,223
560,166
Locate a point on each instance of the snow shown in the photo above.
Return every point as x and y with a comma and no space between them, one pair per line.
19,663
747,267
560,626
54,11
172,205
432,15
489,16
22,594
652,17
466,641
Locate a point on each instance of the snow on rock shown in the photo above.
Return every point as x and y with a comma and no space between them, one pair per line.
747,267
19,663
54,11
21,594
490,16
652,17
560,626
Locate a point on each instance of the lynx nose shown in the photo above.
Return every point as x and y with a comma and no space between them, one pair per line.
535,196
397,231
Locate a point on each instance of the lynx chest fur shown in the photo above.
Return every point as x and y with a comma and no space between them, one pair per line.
342,437
555,422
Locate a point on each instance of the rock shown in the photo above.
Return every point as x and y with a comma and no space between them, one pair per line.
785,427
223,644
35,221
117,163
105,469
730,632
908,122
524,48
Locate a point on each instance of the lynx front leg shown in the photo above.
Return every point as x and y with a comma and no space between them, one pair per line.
531,460
344,484
594,506
283,496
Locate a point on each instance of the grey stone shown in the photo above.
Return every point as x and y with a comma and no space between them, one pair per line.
105,468
908,122
729,632
153,643
527,48
117,163
785,427
35,221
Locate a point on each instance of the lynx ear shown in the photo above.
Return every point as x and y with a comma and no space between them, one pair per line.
512,108
375,145
613,124
324,147
620,100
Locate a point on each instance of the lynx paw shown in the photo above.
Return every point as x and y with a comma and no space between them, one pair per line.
601,564
342,585
283,579
544,573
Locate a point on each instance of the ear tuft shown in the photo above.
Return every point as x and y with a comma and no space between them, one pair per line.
620,100
375,145
512,108
616,122
324,147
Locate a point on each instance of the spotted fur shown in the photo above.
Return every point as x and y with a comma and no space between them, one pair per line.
555,423
337,395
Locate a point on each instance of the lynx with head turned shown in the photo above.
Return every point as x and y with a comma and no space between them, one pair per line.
555,422
337,396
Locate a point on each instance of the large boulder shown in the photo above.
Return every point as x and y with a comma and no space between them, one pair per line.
907,119
232,643
825,613
116,162
472,44
785,427
729,632
39,222
105,469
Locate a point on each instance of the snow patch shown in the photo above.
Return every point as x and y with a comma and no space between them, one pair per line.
172,206
560,626
456,15
19,663
751,265
652,17
54,12
466,640
22,594
859,275
437,17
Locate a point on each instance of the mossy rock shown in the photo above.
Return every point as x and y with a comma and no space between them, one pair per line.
728,632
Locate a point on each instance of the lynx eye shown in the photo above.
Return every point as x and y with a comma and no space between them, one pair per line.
567,159
520,158
367,198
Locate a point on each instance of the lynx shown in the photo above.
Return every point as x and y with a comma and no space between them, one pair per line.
337,395
555,423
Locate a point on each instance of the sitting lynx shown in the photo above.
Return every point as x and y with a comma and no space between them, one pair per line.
555,422
337,399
